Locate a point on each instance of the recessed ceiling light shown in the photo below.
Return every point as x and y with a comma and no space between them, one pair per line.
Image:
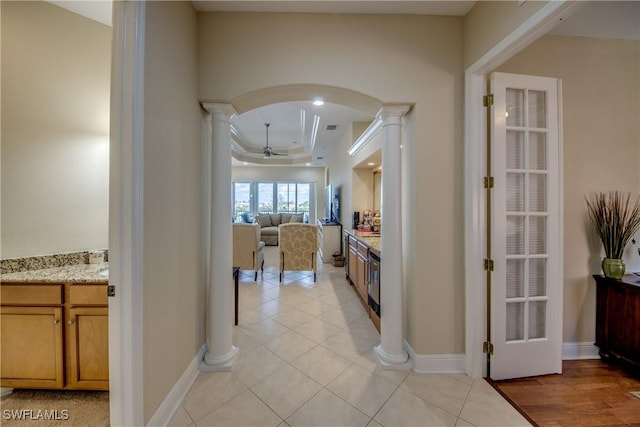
371,164
308,164
318,102
245,163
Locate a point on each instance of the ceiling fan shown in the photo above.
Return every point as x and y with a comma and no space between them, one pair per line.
268,151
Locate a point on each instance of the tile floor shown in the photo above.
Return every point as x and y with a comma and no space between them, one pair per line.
306,359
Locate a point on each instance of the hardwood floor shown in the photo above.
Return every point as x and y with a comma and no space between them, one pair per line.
588,393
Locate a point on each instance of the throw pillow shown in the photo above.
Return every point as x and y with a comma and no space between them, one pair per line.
275,219
285,218
297,217
246,218
263,220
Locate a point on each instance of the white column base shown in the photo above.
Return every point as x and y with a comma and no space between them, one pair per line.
219,364
392,361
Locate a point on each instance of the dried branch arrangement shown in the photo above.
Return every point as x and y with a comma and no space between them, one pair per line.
615,220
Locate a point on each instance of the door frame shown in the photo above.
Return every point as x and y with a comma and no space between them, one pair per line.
475,161
126,221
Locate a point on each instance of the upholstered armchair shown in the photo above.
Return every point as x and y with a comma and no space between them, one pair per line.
298,248
247,248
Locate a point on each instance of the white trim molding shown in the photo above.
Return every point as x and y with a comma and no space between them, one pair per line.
436,363
126,208
580,350
369,133
178,392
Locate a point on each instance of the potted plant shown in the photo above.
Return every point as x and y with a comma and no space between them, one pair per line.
615,221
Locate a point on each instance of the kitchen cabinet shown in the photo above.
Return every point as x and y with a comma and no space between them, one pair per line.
352,254
54,336
362,272
357,260
618,318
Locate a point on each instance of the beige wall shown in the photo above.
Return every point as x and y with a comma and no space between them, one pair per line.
302,174
601,106
55,130
414,59
488,22
174,285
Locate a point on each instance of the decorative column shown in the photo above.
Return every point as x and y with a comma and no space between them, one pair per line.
220,350
391,351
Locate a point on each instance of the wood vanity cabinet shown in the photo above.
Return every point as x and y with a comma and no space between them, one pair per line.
87,341
54,336
31,329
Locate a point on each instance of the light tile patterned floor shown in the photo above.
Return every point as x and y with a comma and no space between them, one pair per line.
306,359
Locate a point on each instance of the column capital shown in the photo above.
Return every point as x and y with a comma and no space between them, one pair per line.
219,108
392,112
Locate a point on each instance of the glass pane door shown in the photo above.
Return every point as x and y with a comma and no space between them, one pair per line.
526,283
526,196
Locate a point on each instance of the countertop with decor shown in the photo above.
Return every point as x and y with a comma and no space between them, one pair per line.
368,238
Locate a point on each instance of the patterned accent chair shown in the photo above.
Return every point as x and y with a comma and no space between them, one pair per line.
298,248
247,248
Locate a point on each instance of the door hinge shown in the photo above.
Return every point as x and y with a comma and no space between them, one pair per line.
111,290
487,100
487,182
488,264
487,347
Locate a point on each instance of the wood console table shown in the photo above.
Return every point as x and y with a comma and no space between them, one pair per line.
618,318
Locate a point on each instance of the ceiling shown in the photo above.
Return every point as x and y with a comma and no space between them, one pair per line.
292,124
306,133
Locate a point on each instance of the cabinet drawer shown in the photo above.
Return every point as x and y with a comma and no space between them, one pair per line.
33,294
88,294
363,249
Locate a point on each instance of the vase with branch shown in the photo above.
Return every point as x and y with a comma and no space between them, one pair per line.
616,221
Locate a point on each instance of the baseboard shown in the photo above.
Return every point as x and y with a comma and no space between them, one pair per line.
436,363
579,350
173,400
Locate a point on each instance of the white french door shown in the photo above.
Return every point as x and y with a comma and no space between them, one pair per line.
526,233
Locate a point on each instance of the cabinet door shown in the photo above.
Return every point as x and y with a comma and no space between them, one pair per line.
362,276
88,348
620,313
351,266
31,352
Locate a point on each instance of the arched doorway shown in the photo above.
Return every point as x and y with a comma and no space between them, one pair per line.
217,176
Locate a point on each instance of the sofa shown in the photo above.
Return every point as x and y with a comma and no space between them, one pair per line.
269,225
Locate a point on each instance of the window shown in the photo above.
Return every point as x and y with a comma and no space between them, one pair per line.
241,199
265,197
273,197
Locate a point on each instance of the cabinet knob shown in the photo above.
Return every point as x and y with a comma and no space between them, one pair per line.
56,321
70,322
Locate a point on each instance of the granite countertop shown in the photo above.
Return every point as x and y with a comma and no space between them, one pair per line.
78,273
368,238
